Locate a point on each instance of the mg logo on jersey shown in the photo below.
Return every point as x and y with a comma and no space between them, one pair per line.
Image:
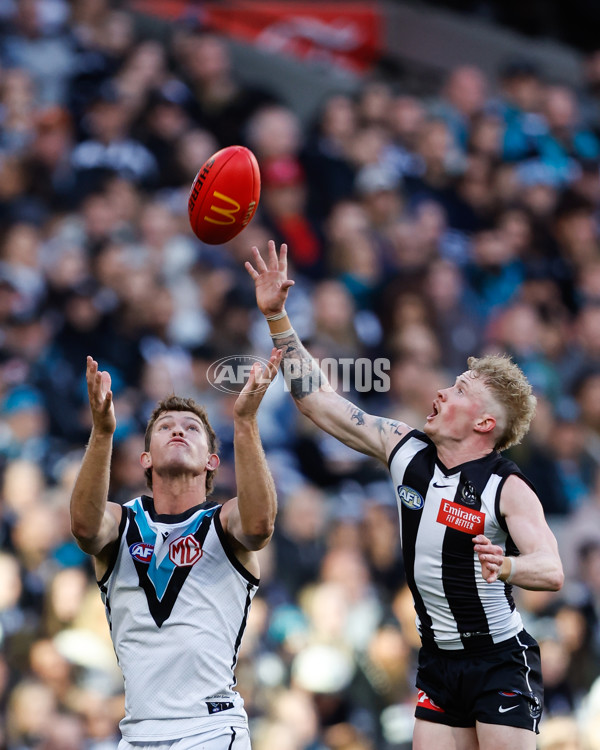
185,551
141,551
410,498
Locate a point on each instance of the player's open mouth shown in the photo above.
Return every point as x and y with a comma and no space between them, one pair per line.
434,411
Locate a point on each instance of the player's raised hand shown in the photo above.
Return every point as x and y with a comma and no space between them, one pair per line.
270,278
259,380
101,398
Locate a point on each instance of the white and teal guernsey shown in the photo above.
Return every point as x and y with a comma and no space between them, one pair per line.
177,602
441,510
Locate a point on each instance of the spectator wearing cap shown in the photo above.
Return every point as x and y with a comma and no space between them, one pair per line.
283,211
164,122
110,147
377,188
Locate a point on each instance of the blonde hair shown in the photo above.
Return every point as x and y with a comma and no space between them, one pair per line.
512,391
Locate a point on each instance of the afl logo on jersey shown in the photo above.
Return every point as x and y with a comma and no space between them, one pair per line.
185,551
410,498
141,551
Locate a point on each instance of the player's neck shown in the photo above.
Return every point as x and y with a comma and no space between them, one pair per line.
174,495
455,452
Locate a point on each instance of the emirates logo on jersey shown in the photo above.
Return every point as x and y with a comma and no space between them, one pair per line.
185,551
460,518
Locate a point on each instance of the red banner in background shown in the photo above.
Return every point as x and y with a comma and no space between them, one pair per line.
344,34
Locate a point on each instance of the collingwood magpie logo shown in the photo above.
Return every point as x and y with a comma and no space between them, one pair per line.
469,494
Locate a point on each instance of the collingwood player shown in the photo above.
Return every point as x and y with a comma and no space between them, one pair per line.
471,526
178,572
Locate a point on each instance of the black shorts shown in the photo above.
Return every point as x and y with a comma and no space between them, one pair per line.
502,685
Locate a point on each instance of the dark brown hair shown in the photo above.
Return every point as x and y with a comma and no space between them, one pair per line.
177,403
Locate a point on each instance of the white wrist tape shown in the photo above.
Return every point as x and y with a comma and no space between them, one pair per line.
513,569
277,316
282,334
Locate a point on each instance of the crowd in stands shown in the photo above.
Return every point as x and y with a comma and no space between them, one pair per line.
422,230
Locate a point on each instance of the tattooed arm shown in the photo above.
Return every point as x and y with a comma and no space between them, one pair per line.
375,436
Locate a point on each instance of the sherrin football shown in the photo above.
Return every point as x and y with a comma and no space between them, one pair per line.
224,195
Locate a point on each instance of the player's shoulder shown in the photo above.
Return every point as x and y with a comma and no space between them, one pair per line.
400,433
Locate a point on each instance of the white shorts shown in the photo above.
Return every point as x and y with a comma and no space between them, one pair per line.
223,738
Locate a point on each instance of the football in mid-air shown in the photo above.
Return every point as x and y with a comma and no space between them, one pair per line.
224,195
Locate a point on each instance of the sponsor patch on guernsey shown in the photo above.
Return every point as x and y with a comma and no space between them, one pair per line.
215,706
141,551
410,498
460,518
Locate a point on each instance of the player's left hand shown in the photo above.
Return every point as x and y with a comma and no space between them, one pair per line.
259,380
270,278
490,556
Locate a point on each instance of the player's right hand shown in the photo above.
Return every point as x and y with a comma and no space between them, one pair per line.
101,398
270,279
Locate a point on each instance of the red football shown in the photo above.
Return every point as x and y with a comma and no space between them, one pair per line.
224,195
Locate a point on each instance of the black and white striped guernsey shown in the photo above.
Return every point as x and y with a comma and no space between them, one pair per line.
441,510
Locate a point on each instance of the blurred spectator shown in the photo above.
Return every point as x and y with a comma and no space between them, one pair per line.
458,332
566,142
522,91
463,98
299,545
284,213
50,174
219,102
163,123
274,132
108,147
326,155
39,43
494,274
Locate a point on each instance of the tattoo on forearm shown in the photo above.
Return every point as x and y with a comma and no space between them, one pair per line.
357,415
390,426
301,373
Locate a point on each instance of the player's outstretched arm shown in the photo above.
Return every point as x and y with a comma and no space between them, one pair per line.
94,522
538,566
374,436
250,518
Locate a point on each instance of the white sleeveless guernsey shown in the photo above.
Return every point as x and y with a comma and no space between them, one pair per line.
177,602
